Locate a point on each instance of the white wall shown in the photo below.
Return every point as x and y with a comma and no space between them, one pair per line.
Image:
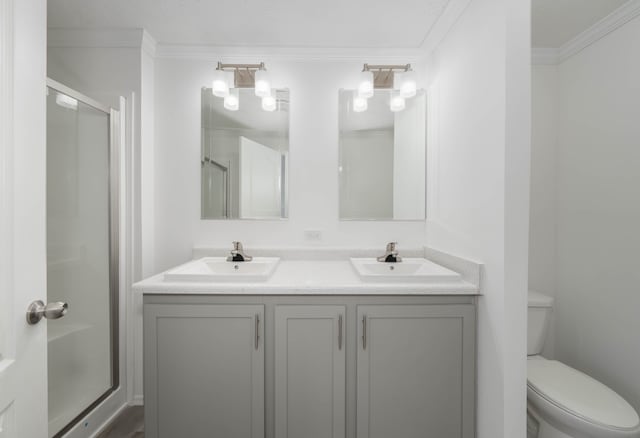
542,225
147,164
544,119
478,168
597,210
313,162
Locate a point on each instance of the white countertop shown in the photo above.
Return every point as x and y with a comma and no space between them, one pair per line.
307,277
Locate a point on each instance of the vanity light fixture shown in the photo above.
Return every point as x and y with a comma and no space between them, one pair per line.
400,78
220,86
365,87
360,104
407,86
397,102
262,83
232,101
227,78
269,102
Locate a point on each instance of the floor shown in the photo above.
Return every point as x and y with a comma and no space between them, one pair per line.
129,424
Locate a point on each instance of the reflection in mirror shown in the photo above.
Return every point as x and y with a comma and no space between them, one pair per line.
382,158
244,157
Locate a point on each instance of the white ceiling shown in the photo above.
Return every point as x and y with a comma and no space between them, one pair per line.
285,23
555,22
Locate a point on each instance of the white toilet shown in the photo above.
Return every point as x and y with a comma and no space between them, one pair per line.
563,402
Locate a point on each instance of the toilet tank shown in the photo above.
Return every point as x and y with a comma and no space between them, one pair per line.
539,312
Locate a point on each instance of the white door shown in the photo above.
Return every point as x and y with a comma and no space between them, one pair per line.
23,354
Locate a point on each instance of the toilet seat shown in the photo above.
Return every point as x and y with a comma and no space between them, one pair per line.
575,402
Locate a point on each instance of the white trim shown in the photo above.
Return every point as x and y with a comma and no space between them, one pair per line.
602,28
148,44
441,28
544,56
608,24
97,38
240,54
140,38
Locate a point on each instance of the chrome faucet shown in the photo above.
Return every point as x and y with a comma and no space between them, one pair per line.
391,254
237,254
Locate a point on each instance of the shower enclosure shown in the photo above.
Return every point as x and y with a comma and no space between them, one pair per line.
82,254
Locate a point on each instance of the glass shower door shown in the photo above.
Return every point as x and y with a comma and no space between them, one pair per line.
82,345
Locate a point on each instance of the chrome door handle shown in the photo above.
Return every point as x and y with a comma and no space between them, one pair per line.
37,310
257,323
364,332
339,332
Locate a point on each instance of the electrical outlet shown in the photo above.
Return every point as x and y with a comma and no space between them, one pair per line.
313,235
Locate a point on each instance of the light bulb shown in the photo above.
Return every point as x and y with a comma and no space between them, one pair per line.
359,103
231,79
397,102
232,101
408,87
263,84
397,79
365,87
220,85
269,102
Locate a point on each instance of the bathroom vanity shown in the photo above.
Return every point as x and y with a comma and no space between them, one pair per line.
313,351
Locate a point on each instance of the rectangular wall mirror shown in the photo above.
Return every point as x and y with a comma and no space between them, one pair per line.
382,158
244,158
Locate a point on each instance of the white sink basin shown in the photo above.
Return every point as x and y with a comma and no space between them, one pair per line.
413,270
218,269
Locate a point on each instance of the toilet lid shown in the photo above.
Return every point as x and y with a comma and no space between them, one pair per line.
579,394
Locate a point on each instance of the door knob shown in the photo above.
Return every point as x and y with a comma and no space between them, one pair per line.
37,310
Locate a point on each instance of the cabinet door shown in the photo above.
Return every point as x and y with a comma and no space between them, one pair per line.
204,371
310,371
416,371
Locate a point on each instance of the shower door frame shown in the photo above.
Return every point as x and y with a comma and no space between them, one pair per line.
114,250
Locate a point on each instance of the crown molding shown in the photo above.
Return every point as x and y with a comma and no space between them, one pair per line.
148,44
602,28
544,56
95,38
242,53
140,38
452,12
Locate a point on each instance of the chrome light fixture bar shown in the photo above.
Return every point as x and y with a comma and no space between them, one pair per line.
244,75
383,75
227,78
399,78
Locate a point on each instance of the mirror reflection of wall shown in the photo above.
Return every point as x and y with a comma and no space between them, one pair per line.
382,159
244,159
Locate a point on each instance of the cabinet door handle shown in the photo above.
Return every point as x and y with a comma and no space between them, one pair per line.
364,332
339,332
257,329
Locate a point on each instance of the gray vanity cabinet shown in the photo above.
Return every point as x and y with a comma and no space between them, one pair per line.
310,371
416,371
305,366
204,371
